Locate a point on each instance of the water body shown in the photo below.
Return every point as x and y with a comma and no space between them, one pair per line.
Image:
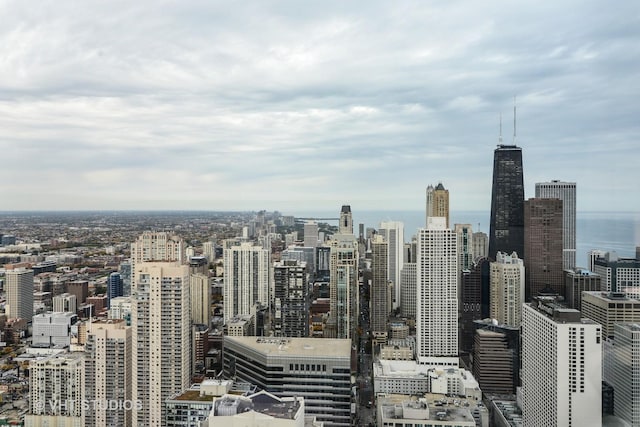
609,231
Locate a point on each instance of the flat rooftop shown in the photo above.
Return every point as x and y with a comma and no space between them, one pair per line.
296,347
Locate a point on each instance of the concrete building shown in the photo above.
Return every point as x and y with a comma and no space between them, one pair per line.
241,326
291,299
480,242
200,290
121,309
496,357
317,370
343,285
108,374
507,289
543,246
158,247
346,220
437,295
65,302
626,372
565,191
393,233
53,329
160,315
619,274
607,309
437,203
408,290
380,304
435,410
19,288
247,279
561,366
310,234
577,281
465,245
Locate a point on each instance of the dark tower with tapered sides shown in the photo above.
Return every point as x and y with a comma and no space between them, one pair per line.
507,202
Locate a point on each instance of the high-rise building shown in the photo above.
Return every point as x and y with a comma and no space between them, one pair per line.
393,232
380,306
161,338
409,290
496,357
465,245
437,203
565,191
610,308
437,294
577,281
480,243
246,279
65,302
543,246
291,299
200,293
561,366
619,274
310,234
507,289
346,220
157,246
318,370
507,202
592,256
343,286
115,286
626,372
474,301
19,286
108,374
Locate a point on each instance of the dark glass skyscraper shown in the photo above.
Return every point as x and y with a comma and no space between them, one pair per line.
507,202
114,286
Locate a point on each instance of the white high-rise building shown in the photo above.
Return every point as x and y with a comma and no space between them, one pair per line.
561,366
209,251
565,191
200,299
393,232
437,276
507,289
157,246
247,279
108,374
65,303
161,337
626,372
19,286
310,234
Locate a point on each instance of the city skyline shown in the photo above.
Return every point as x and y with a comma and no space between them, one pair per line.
200,106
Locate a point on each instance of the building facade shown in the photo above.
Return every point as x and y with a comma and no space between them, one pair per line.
19,286
507,289
291,299
437,203
393,232
380,306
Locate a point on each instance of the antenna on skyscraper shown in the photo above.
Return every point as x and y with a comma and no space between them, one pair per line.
500,138
514,119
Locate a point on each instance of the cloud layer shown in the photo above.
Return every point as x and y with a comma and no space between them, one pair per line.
291,106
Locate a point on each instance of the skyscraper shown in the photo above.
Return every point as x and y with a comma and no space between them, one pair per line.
346,220
156,246
200,292
161,338
343,286
507,289
310,234
114,286
437,202
246,279
543,246
507,202
437,294
565,191
561,366
626,372
20,293
291,299
393,232
379,285
465,245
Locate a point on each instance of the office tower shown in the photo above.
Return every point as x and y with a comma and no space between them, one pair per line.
198,265
108,373
157,246
474,301
507,289
496,356
626,372
161,337
410,250
506,232
346,220
125,274
480,245
65,302
465,245
291,306
380,306
53,329
343,286
592,256
543,246
121,309
19,286
200,291
319,370
393,232
437,296
79,288
619,274
565,191
310,234
56,389
610,308
301,254
246,279
577,281
322,263
199,348
209,250
437,203
561,366
409,289
115,286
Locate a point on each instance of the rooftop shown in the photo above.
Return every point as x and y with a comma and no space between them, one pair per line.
298,347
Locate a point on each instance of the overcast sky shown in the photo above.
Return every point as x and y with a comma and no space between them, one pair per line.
298,105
